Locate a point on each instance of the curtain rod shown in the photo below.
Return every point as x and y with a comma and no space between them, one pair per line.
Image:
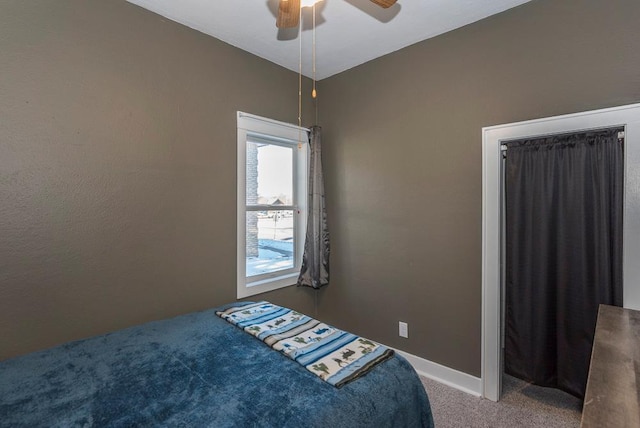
504,146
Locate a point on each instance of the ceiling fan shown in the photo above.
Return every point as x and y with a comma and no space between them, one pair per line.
289,11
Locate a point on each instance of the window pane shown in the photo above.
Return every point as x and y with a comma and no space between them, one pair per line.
269,241
269,174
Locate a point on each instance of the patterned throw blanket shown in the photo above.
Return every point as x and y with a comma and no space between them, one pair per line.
336,356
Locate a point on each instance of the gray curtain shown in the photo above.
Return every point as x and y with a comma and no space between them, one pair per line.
563,252
315,261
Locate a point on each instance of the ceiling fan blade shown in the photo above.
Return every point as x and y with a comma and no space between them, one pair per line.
288,14
384,3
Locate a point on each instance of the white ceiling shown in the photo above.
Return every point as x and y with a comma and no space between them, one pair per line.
348,32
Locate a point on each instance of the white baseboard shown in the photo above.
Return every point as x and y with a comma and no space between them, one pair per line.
445,375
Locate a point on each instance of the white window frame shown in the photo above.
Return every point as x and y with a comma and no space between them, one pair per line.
252,127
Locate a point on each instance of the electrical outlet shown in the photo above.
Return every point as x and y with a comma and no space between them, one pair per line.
403,329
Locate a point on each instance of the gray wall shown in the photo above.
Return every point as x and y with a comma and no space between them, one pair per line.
402,158
117,168
117,164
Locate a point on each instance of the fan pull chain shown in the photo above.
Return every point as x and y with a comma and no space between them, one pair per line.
300,82
313,92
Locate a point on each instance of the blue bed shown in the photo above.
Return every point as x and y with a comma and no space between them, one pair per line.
197,370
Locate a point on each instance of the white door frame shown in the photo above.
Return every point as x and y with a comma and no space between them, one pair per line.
629,116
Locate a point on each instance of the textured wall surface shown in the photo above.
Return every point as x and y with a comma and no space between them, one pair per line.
402,156
117,164
118,168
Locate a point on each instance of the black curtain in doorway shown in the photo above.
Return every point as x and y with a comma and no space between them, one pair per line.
564,202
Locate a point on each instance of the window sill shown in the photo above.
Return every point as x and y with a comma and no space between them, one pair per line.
269,284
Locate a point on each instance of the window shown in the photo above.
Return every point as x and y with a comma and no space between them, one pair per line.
272,194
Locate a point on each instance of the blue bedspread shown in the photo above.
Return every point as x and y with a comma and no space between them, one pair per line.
186,372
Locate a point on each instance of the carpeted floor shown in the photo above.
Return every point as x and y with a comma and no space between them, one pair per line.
522,405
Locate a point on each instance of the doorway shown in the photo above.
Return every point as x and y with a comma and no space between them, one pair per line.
627,117
563,251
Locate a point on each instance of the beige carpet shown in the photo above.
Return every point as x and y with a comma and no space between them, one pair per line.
522,405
